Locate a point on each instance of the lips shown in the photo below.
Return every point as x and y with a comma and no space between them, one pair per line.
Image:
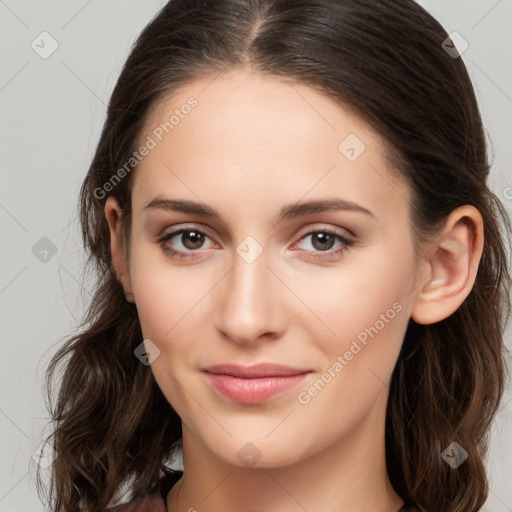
255,371
253,384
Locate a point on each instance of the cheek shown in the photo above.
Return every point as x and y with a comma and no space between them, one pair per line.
371,289
366,309
168,308
358,360
164,293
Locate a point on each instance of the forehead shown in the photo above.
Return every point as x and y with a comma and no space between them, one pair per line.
249,136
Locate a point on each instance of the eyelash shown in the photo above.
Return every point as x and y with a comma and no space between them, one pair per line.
181,255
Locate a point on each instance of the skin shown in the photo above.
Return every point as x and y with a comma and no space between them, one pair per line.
252,145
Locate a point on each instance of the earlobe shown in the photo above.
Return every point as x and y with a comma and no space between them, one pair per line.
452,268
113,214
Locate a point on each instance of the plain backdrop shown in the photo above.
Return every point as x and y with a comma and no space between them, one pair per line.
51,113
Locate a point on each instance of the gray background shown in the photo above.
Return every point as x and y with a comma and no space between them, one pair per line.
51,112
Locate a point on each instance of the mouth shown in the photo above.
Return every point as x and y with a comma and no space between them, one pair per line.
253,384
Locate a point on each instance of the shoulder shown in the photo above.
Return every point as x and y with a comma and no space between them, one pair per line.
155,500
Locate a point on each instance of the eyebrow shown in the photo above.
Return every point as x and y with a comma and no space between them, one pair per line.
290,211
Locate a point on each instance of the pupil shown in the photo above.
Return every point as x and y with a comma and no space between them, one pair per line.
325,238
190,235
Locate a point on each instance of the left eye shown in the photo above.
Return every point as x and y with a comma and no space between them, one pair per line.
192,239
323,240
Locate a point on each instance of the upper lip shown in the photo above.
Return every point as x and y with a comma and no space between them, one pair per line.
255,371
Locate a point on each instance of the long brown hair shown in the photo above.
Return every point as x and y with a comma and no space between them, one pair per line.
386,61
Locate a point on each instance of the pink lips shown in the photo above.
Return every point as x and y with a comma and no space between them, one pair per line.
253,384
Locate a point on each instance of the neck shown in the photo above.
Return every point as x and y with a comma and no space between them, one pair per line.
349,475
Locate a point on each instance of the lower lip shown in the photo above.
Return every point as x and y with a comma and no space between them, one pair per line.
252,391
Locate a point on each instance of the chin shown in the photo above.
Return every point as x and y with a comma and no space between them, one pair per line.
257,453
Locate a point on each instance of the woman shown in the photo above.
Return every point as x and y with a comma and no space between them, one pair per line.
302,272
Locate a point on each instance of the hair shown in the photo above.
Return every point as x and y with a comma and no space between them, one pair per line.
385,61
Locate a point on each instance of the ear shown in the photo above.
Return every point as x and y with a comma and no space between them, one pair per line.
113,214
451,271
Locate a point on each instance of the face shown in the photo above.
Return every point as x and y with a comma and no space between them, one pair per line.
326,291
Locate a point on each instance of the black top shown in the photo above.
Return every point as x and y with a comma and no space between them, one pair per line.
167,482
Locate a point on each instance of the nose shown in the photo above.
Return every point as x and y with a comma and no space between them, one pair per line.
252,305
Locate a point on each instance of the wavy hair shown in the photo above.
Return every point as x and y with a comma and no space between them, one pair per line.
385,60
